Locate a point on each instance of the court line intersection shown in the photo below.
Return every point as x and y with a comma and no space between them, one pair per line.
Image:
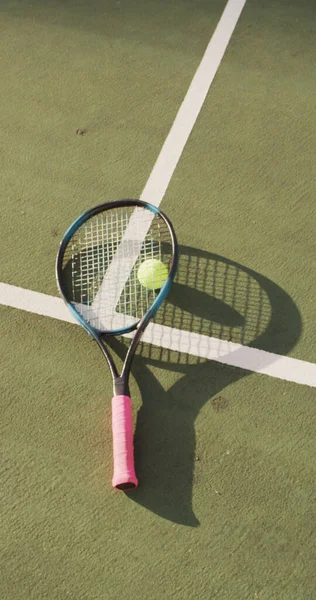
202,346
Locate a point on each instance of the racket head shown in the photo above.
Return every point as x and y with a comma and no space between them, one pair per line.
98,261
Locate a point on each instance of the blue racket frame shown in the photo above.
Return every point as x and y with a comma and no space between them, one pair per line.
120,381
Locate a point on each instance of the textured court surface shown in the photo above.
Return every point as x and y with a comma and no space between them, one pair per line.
225,457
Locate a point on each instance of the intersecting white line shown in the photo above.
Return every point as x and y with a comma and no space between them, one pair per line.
123,261
202,346
120,268
169,156
229,353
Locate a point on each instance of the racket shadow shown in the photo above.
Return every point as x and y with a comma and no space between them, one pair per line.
215,297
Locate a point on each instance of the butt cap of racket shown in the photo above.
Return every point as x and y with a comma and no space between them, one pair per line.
124,476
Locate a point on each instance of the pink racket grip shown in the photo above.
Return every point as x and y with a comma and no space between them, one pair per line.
124,477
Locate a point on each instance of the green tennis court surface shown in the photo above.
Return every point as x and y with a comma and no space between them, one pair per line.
225,456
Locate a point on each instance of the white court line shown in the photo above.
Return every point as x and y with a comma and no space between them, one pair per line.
189,110
168,158
119,270
202,346
228,353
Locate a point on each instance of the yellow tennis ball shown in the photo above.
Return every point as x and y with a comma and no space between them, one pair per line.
152,274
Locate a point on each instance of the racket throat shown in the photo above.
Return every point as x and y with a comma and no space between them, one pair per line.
120,387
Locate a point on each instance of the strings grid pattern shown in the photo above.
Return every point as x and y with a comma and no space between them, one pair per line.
101,263
214,298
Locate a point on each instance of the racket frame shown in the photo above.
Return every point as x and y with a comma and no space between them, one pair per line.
138,326
120,380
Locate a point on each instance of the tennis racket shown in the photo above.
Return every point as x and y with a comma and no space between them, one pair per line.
97,271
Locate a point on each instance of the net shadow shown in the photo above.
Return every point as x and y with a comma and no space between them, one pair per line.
217,298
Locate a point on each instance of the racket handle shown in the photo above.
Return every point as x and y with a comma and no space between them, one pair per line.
124,477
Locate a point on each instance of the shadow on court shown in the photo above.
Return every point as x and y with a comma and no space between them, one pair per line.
215,297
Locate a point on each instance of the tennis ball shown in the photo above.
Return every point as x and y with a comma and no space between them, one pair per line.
152,274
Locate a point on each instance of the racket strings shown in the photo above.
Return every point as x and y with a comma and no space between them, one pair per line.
102,260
